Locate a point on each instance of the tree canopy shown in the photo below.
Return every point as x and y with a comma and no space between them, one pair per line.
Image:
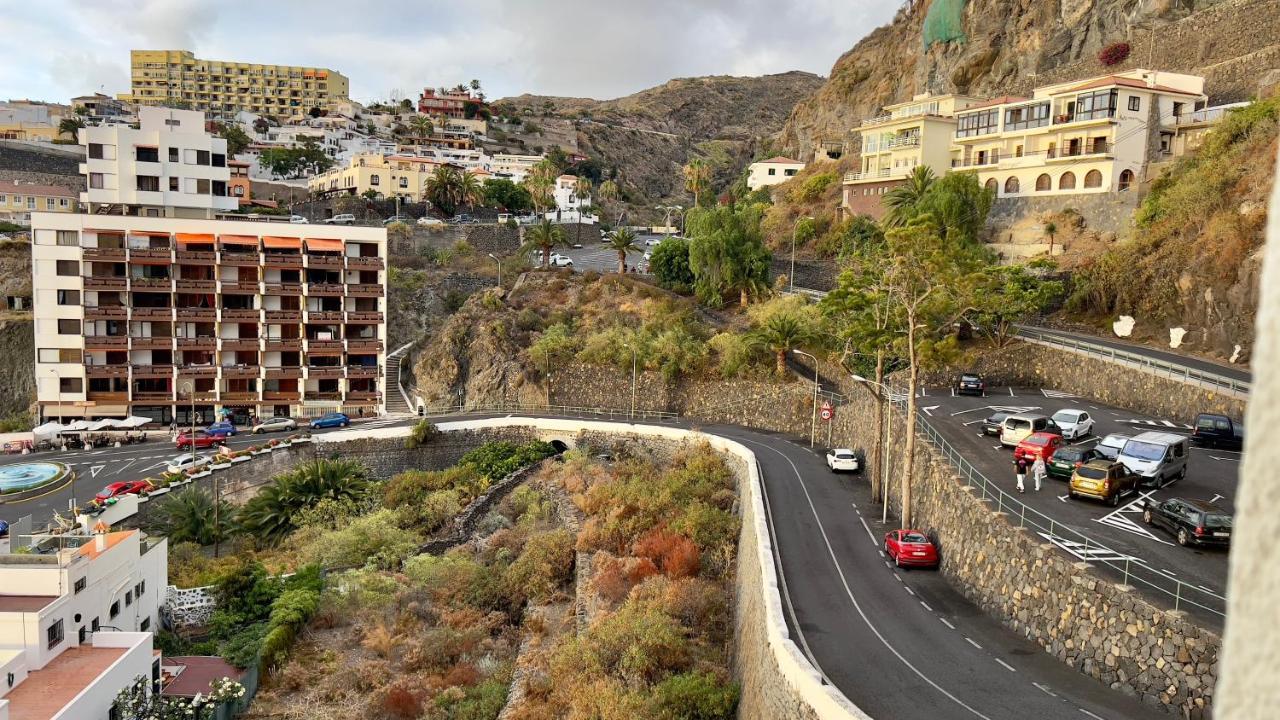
727,253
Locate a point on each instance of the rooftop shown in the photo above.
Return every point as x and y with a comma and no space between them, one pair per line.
779,160
1110,80
24,603
10,186
196,673
47,691
1002,100
90,549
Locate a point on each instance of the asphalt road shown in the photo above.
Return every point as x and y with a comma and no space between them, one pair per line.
598,256
1211,475
898,643
1234,372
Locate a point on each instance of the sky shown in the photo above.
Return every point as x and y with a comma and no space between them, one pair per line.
586,48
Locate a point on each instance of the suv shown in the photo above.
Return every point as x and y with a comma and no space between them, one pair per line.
1016,428
1103,480
1218,431
842,459
1067,459
971,384
341,219
1192,522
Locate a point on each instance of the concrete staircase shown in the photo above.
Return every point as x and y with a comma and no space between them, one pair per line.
397,396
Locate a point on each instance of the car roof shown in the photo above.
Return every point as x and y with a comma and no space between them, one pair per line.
1026,416
1162,438
1073,411
836,450
1100,463
1040,435
1205,506
1114,437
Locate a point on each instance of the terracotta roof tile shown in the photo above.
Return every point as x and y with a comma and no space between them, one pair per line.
1110,80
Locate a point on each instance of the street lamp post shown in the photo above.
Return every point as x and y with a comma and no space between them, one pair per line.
888,440
813,425
791,278
633,380
499,261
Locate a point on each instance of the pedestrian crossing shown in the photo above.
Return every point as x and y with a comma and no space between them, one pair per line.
1060,394
1088,552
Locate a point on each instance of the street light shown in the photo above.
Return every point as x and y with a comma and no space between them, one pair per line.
813,426
633,380
791,279
499,261
888,439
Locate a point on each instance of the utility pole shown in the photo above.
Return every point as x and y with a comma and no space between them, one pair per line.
813,424
499,261
633,380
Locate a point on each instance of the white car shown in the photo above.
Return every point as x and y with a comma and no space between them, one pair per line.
558,260
653,241
298,220
843,460
428,220
1111,445
341,219
1075,424
275,424
186,461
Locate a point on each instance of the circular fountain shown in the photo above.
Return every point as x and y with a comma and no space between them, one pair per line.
21,477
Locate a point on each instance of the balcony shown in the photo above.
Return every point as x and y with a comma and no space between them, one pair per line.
141,396
149,256
106,371
363,395
318,395
324,289
324,316
198,343
325,371
288,372
1093,149
284,316
106,312
244,287
152,371
121,396
152,313
356,344
291,289
240,259
281,260
241,371
196,257
365,263
152,283
92,282
240,344
240,397
202,285
200,396
363,371
331,346
106,342
906,141
187,372
282,396
325,261
151,343
190,314
241,314
980,161
367,290
364,316
105,254
880,174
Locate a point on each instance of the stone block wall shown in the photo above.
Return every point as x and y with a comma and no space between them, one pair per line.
1015,220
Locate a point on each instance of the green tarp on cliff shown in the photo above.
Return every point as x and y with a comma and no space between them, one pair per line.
944,22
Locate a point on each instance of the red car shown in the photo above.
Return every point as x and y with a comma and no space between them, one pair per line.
910,548
116,489
202,440
1041,444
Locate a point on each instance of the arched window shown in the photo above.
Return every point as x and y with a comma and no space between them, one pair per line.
992,185
1067,181
1126,179
1044,183
1011,185
1093,179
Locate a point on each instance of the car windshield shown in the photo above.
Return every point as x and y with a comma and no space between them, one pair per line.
970,378
1144,450
105,491
1092,473
1066,416
997,418
1218,522
914,537
1019,424
1068,454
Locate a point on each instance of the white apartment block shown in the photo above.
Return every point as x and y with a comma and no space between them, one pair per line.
773,171
168,167
76,621
570,206
513,167
1091,136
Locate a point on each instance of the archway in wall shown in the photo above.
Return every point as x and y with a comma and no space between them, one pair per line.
1126,179
1044,183
1093,179
1011,186
1067,181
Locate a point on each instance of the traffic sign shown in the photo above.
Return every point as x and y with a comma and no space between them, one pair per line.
827,412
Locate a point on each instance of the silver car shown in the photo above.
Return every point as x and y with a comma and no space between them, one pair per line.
276,424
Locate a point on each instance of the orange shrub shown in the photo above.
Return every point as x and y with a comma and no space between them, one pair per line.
462,674
401,703
676,555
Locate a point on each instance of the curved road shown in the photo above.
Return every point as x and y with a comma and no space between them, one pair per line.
1235,372
897,643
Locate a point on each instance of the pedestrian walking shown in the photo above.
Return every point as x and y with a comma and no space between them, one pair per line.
1038,471
1021,464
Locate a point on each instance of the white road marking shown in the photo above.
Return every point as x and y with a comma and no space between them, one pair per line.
881,552
899,579
1216,498
93,471
972,422
925,605
1170,573
1045,689
944,622
1058,394
953,392
868,529
1117,520
1064,498
1206,589
1006,665
1092,715
1215,457
1090,552
929,409
971,642
1011,393
910,591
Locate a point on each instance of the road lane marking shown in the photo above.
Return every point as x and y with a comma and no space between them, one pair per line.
881,552
971,642
910,592
1092,715
1006,665
93,471
864,527
1216,498
925,605
1011,392
1045,689
944,622
928,410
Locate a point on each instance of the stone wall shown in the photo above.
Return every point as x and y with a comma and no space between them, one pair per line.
811,274
55,165
488,238
17,372
1018,221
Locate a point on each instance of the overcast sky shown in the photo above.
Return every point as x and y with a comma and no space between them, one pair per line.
594,48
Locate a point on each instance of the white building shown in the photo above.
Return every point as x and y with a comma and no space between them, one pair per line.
570,207
76,623
169,167
513,167
773,171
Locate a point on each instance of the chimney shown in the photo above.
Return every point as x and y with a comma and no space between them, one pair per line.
100,536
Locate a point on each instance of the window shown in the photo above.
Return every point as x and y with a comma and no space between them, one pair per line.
62,202
1026,116
1092,106
219,188
93,626
238,191
31,203
49,204
54,634
1011,186
68,326
173,155
68,268
95,181
1126,179
375,180
1044,182
145,625
218,160
147,154
115,610
789,172
141,587
202,157
1093,179
148,183
70,385
173,184
68,238
60,355
95,151
773,171
1135,103
202,186
991,185
128,598
979,123
68,297
1067,181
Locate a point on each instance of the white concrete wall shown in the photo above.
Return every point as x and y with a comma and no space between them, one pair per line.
758,173
95,701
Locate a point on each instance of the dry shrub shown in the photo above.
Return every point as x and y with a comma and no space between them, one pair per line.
371,674
615,576
676,555
638,569
695,602
464,674
400,703
380,640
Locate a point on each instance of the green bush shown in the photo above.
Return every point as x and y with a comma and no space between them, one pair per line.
544,565
813,187
496,460
421,433
375,539
478,702
695,696
669,264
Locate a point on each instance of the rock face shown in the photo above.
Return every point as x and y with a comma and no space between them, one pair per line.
1011,46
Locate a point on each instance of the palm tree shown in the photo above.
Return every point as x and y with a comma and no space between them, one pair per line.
1050,229
623,241
609,192
539,181
904,201
422,126
188,516
443,188
470,191
269,516
697,175
781,334
70,126
582,188
544,237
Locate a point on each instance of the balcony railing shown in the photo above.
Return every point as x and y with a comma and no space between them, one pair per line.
190,314
325,371
152,396
324,261
284,345
152,283
152,371
365,262
190,285
241,313
197,343
902,142
152,313
150,254
240,259
151,343
240,286
332,346
1102,148
239,396
881,174
324,289
367,290
354,344
1081,116
106,371
282,289
284,316
282,396
241,371
363,395
107,396
363,371
324,316
106,342
106,312
105,283
364,316
288,372
101,254
318,395
198,371
278,260
196,257
240,343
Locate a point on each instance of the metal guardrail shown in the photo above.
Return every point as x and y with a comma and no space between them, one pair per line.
1171,370
557,410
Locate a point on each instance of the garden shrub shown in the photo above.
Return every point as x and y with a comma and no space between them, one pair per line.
496,460
421,433
1114,54
544,565
695,696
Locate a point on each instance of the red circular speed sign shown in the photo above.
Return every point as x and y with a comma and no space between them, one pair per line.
827,411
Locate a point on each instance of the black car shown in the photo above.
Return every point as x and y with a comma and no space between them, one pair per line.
1192,522
1065,461
971,384
993,424
1218,431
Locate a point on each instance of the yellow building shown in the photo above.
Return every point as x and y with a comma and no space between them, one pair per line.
402,176
19,199
223,88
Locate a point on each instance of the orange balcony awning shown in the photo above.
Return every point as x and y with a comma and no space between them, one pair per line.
272,241
195,239
324,245
245,240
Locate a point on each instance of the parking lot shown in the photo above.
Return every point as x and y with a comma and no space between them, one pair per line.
597,256
1211,475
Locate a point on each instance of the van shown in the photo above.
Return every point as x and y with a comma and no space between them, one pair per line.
1017,428
1158,457
1218,431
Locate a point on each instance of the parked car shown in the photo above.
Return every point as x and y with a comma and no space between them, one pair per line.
298,220
1192,522
116,489
1109,446
461,219
4,528
1218,431
428,220
1075,424
1037,445
397,219
1103,480
653,241
275,424
971,384
993,423
333,419
222,428
201,439
1066,459
1016,428
910,548
842,460
186,461
558,260
341,219
1159,457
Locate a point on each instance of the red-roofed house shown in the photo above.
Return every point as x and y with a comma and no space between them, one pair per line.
188,676
775,170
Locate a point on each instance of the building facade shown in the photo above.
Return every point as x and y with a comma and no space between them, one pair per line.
222,88
168,167
101,108
513,167
402,176
1092,136
182,319
570,205
30,121
773,171
449,103
19,199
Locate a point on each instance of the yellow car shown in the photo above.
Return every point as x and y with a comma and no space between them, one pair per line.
1103,480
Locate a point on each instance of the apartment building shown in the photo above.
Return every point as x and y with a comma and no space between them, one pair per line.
222,88
447,103
1090,136
76,622
402,176
570,206
101,108
169,167
513,167
175,318
30,121
19,199
773,171
906,136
